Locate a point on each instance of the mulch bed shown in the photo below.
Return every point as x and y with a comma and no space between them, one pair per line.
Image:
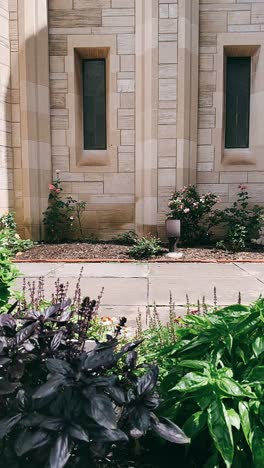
111,252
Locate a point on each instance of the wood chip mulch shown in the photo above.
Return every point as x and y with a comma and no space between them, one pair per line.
111,252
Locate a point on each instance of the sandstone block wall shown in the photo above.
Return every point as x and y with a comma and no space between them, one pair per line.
110,196
6,159
165,132
238,22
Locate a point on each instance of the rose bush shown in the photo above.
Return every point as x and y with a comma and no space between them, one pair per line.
195,212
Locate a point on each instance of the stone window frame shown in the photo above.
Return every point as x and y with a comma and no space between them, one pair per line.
241,159
84,47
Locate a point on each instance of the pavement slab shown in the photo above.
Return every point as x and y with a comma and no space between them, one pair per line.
129,288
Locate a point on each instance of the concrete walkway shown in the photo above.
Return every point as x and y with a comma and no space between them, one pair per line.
130,287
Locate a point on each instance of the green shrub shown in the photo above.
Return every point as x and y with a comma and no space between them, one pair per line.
9,238
213,384
127,238
63,217
146,247
240,222
195,213
8,273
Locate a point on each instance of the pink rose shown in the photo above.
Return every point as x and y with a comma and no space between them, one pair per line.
51,187
186,210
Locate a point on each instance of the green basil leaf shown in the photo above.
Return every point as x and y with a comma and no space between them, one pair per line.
261,413
191,382
220,430
234,418
229,342
258,346
194,364
245,421
230,387
257,374
258,445
205,400
195,424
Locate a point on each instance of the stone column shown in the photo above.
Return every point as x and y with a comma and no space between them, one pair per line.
35,112
187,106
146,115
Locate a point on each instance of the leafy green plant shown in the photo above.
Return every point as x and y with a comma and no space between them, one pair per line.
241,222
63,217
146,247
215,386
63,404
8,273
127,238
9,238
195,213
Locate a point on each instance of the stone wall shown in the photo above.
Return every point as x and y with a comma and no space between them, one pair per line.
241,24
109,192
167,112
156,65
6,160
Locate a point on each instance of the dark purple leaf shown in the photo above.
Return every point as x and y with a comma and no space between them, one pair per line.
7,424
28,346
110,343
65,304
7,321
117,394
101,410
57,366
10,310
30,440
52,424
25,333
148,381
60,452
6,387
169,431
131,359
17,370
101,358
56,341
65,316
51,311
48,388
101,382
4,361
152,401
139,420
22,398
32,420
131,346
108,435
77,432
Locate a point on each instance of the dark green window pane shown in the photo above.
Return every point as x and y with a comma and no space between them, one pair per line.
237,102
94,104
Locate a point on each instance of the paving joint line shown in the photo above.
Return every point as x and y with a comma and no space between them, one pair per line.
248,272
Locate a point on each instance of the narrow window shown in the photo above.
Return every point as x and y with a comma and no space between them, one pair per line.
237,102
94,104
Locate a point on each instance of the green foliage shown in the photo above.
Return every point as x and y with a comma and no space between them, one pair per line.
146,247
63,217
8,273
212,381
241,222
65,402
195,212
127,238
9,238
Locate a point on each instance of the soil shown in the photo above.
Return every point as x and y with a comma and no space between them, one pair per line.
108,251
